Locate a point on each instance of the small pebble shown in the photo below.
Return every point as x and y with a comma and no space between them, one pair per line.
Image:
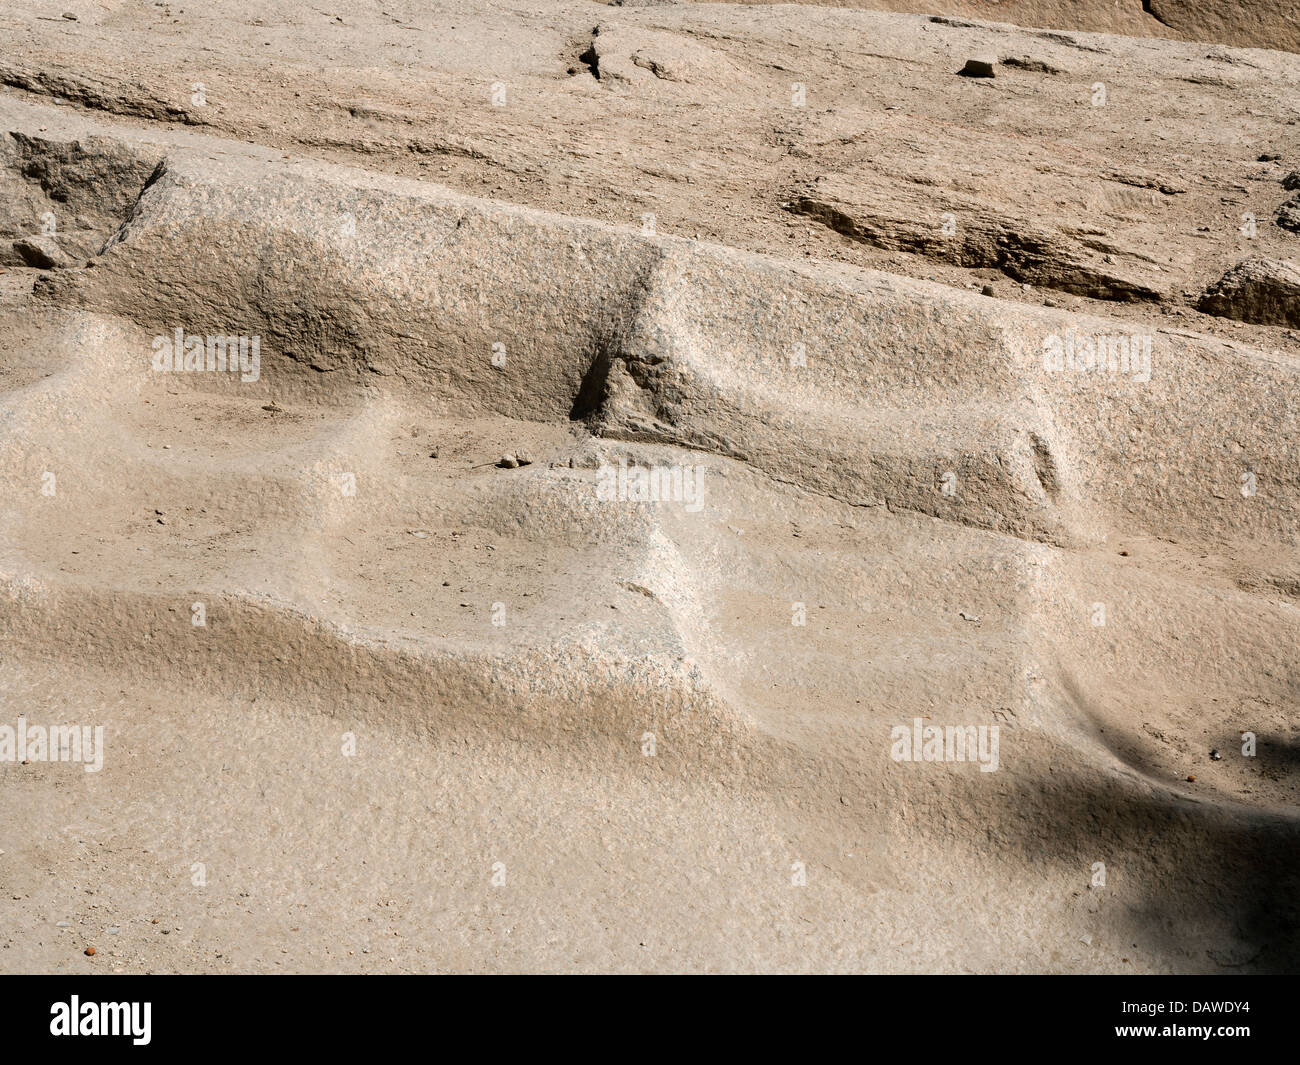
978,67
90,952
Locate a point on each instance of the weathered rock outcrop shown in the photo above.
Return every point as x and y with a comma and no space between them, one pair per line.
1263,291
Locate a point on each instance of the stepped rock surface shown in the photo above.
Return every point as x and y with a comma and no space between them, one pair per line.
506,479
